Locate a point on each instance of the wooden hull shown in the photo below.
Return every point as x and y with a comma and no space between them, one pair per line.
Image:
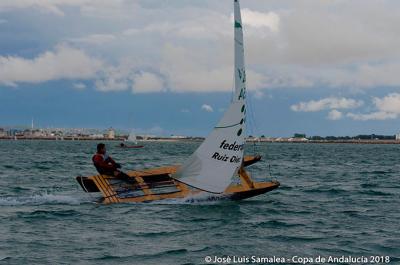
156,184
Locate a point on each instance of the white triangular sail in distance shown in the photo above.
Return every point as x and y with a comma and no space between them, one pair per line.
132,137
212,165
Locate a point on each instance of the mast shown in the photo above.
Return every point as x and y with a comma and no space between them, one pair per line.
212,165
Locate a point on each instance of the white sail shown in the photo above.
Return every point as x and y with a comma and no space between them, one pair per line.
212,165
132,137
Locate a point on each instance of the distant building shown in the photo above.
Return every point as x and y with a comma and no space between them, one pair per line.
99,136
398,136
111,133
38,133
14,132
3,133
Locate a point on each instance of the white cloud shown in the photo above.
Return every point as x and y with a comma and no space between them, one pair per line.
79,86
94,39
42,5
145,82
115,78
288,43
387,108
62,63
379,115
389,103
301,52
3,21
327,103
207,108
47,6
259,19
335,115
187,70
196,28
116,8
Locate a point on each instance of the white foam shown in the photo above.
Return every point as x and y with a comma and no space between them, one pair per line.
200,198
76,199
43,198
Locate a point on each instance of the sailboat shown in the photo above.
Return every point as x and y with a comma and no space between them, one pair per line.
210,169
131,139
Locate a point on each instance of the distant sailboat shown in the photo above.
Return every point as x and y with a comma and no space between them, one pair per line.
132,137
210,169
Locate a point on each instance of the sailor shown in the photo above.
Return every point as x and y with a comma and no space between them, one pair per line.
105,165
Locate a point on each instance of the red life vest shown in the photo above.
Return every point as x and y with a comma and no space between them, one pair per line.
98,162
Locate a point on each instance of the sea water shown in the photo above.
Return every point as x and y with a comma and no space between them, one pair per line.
335,200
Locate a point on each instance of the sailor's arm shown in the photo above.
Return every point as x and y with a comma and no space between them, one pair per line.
112,161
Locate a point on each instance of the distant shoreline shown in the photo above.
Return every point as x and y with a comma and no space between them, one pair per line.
199,139
95,139
342,142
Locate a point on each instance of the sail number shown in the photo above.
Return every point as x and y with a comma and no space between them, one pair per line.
242,94
242,77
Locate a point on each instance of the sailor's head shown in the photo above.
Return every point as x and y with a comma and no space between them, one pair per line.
101,148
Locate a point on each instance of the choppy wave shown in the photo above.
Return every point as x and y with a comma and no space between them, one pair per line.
342,201
201,198
40,199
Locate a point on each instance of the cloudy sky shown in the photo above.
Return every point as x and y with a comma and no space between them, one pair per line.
165,67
